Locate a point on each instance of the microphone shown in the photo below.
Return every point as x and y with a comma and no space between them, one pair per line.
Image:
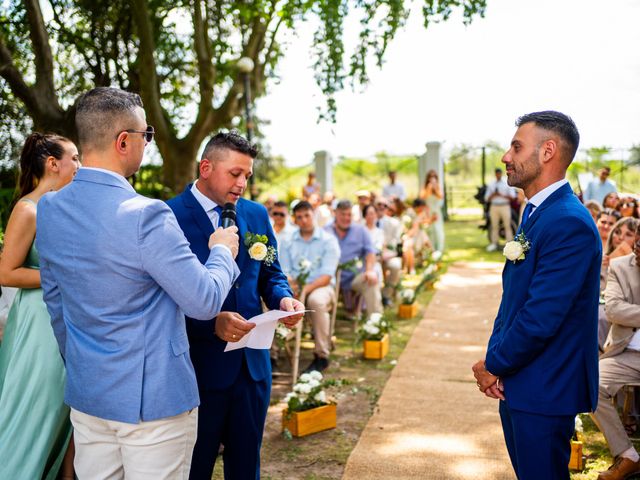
228,215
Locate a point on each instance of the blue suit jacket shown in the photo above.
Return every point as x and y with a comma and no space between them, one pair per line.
544,341
117,275
216,369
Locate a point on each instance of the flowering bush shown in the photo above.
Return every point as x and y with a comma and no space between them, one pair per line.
309,392
374,328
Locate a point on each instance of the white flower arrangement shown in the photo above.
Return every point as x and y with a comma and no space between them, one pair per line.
408,296
282,332
309,392
516,249
374,328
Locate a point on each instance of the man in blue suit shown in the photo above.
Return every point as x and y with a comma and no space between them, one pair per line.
117,275
542,357
235,386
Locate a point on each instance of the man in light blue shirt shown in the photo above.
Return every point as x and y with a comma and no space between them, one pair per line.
309,258
600,187
356,245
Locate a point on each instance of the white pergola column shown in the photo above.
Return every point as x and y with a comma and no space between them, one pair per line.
324,169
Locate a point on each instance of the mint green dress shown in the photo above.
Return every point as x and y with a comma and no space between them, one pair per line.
34,422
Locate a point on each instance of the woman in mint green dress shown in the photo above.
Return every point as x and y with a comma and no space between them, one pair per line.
35,430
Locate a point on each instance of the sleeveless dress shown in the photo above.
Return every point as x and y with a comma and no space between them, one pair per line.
436,229
34,422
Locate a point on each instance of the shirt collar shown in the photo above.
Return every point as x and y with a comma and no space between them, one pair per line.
317,233
545,193
206,203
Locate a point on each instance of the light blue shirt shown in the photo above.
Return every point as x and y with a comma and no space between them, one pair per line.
321,250
597,190
355,244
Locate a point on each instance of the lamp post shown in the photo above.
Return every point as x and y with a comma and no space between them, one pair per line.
246,65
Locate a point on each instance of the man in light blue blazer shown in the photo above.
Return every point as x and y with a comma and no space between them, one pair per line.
542,357
118,277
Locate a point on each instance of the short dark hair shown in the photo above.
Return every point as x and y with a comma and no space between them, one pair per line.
229,141
302,205
609,212
418,202
344,205
558,123
103,112
498,170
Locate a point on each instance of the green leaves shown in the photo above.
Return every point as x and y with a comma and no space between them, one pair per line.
251,238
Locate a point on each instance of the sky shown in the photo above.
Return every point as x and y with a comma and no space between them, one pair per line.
467,84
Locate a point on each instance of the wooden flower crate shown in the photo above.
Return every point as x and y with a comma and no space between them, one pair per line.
376,349
576,460
407,310
310,421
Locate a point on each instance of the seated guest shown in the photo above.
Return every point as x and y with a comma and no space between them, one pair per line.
355,243
324,212
364,199
605,221
282,227
370,222
610,200
620,362
416,238
619,243
309,258
594,208
391,263
628,207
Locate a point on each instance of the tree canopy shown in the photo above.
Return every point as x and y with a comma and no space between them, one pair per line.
180,56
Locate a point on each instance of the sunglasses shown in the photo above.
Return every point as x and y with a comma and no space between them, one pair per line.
146,134
278,214
628,205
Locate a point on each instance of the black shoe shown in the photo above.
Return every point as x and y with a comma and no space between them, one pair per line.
319,364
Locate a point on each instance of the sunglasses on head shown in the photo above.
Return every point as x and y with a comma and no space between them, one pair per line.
146,134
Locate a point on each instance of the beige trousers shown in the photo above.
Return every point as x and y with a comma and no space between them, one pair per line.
371,293
496,214
615,372
392,269
321,300
154,450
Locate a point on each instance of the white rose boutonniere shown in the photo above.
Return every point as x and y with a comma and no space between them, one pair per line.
258,251
258,248
516,249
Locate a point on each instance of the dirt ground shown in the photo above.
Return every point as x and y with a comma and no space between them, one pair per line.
324,455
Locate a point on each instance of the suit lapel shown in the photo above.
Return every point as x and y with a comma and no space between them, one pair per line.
197,212
553,198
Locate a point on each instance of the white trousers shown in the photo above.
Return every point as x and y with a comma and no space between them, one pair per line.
498,213
154,450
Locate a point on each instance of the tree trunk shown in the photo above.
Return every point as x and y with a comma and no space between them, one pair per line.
178,164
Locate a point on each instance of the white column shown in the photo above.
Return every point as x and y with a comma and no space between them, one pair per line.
430,160
324,170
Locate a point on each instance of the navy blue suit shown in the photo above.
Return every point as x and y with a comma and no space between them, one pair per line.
544,344
235,386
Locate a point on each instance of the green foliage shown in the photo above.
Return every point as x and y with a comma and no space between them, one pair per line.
179,55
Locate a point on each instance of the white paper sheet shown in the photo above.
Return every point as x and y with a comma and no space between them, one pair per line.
261,337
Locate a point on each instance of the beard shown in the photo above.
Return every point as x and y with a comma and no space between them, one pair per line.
525,172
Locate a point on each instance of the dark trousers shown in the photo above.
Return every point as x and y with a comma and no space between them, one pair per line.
539,445
235,418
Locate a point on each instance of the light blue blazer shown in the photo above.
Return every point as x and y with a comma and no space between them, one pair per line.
118,278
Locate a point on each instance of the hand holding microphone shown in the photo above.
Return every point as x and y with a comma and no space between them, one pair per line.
227,234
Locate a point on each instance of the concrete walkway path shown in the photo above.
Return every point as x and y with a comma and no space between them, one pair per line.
432,423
